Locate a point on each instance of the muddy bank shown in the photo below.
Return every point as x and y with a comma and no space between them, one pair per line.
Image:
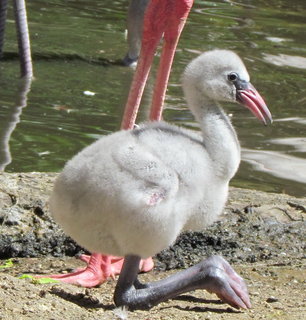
255,226
262,234
276,292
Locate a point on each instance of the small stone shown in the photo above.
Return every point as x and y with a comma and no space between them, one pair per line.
272,299
42,293
39,211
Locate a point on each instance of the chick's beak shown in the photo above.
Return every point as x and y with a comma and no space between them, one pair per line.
249,97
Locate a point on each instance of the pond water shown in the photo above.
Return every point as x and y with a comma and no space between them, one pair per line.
76,46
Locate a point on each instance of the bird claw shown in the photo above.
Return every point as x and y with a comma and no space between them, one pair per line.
226,283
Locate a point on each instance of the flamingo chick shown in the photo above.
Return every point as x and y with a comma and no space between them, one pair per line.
133,192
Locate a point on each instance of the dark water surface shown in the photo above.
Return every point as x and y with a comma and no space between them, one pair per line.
76,47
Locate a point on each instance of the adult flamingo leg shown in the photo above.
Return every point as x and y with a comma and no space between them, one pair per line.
161,18
176,19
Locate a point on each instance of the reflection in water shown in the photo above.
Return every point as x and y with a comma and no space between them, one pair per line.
292,119
284,60
12,120
298,143
277,39
277,164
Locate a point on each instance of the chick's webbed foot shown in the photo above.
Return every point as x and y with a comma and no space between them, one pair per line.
99,268
222,280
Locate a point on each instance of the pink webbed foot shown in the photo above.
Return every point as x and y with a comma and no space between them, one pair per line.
145,265
109,266
99,268
95,273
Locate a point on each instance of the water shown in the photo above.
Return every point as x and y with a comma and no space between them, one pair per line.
76,46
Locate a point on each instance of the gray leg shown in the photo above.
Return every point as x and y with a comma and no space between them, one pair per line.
23,38
134,24
214,275
3,11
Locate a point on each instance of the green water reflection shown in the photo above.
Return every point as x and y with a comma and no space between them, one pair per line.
76,46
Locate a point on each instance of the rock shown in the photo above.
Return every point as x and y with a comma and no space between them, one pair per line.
5,199
272,299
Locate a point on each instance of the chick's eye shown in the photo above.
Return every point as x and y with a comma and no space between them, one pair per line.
232,76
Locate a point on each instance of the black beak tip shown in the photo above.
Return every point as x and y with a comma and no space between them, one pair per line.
267,121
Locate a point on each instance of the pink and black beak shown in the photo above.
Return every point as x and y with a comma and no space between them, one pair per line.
249,97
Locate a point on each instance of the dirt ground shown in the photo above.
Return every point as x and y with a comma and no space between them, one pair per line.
277,292
262,235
